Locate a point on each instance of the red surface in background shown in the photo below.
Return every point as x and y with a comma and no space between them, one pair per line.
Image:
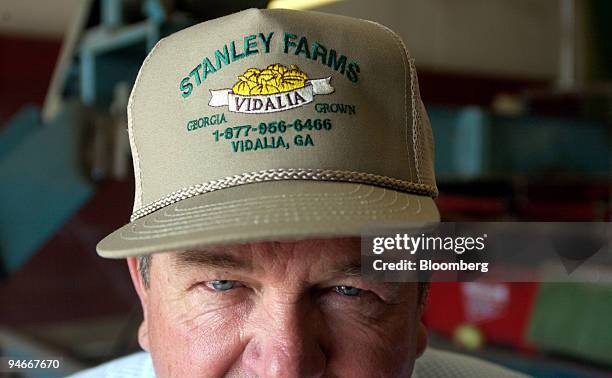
26,67
461,89
447,308
66,280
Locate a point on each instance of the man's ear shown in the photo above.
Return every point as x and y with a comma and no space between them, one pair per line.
421,339
142,291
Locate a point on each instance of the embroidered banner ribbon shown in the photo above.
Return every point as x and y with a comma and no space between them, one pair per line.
273,102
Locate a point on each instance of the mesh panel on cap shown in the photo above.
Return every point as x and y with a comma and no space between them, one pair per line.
419,129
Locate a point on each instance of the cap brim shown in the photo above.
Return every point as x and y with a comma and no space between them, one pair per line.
279,210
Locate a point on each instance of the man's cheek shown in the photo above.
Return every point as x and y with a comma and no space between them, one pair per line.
189,339
370,353
371,346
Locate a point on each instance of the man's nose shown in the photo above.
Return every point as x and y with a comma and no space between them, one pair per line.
286,344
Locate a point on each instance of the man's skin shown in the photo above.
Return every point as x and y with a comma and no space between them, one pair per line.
290,309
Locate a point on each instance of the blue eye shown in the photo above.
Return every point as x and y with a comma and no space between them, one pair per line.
222,285
349,291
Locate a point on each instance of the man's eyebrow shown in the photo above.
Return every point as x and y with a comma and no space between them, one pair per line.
213,260
352,269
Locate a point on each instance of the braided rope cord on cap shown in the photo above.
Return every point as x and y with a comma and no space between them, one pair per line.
416,119
282,174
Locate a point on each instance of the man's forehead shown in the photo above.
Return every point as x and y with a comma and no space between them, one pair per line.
338,255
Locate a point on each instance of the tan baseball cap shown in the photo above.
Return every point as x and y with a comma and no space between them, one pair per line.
275,125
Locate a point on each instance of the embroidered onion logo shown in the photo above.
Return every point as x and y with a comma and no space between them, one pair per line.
273,79
273,89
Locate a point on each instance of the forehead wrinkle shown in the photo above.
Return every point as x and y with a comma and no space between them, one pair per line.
213,260
275,258
306,260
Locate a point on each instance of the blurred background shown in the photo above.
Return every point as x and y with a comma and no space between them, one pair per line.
520,98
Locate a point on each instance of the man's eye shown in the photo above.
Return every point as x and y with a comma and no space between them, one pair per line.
222,285
348,290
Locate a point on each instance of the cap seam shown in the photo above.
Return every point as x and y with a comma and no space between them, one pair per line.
246,202
229,206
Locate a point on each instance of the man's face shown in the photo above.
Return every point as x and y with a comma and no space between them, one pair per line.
291,309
